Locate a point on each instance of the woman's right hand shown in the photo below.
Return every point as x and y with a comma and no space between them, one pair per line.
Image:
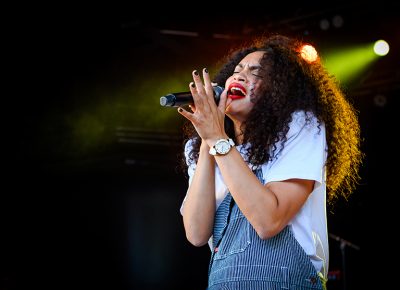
206,116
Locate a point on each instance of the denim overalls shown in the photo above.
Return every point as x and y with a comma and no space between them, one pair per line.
241,260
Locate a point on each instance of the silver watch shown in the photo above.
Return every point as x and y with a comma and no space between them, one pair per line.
222,147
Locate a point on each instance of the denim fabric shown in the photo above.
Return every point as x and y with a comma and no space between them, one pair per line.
241,260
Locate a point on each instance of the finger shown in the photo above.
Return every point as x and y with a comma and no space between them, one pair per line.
185,113
198,82
198,101
193,108
209,89
207,84
223,101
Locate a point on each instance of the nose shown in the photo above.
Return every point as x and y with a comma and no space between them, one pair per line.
239,77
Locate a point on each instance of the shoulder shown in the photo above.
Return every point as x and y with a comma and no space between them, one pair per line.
304,121
188,150
188,146
303,118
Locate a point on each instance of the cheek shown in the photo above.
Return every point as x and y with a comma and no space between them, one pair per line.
250,104
228,80
253,98
253,88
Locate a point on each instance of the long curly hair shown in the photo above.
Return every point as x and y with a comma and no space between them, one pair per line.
291,82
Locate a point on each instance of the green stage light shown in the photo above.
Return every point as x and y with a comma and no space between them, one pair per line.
349,63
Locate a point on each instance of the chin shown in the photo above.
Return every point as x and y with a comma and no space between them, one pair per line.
234,114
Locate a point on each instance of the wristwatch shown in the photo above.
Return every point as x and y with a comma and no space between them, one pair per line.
222,147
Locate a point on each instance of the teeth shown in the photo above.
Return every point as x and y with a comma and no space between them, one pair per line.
234,90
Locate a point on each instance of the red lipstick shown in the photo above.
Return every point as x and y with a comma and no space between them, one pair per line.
236,91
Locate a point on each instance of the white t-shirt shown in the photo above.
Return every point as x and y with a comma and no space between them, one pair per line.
304,157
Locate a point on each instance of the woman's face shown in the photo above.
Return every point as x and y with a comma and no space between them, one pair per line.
242,85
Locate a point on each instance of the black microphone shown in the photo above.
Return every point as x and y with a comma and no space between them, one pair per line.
186,98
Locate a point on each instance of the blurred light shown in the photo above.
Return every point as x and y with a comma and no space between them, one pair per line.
337,21
308,53
349,63
324,24
381,47
380,100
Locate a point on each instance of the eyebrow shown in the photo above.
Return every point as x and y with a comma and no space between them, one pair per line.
252,67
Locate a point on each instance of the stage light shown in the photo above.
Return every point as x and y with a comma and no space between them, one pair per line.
308,53
349,63
381,47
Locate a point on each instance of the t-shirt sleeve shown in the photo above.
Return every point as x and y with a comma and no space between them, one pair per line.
191,166
190,163
303,155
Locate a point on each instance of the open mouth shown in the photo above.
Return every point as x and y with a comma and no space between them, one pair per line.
236,91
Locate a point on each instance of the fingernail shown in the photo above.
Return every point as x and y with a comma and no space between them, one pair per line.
196,72
192,85
206,70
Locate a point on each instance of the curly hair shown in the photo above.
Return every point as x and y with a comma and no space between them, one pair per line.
292,83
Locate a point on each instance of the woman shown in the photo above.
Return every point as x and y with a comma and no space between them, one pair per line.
262,162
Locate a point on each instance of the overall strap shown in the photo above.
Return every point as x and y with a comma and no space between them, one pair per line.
222,219
224,211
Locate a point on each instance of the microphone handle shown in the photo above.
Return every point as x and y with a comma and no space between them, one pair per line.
186,98
176,99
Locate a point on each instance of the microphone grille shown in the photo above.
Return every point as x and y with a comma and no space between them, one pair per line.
163,101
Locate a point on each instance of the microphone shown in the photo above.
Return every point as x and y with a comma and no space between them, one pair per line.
186,98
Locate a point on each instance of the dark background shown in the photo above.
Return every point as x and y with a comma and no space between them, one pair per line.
92,186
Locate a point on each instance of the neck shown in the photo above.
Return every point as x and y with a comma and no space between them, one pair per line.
239,131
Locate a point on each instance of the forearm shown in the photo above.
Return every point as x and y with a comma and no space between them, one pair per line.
257,202
199,207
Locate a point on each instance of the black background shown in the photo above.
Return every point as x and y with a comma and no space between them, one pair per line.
108,216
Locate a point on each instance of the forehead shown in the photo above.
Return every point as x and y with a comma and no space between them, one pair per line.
252,58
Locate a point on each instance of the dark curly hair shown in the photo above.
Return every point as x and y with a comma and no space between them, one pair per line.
292,83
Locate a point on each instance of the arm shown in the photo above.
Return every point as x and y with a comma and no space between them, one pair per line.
199,208
268,208
291,177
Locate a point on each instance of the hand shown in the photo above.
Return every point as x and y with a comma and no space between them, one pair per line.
206,116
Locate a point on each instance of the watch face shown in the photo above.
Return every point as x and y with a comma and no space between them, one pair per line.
222,147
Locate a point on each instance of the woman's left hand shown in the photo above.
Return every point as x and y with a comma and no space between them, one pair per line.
206,116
